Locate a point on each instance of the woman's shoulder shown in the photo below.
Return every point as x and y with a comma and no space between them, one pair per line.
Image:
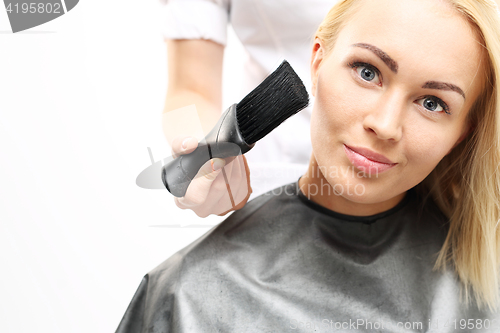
259,224
429,222
242,241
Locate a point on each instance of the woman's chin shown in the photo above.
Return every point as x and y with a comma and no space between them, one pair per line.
359,192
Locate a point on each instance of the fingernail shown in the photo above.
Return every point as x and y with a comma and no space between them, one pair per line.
185,143
217,163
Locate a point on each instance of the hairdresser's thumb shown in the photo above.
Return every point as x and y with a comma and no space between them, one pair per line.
183,145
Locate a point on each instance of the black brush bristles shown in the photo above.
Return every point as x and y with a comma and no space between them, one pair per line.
281,95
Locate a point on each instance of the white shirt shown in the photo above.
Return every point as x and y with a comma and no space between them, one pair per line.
270,31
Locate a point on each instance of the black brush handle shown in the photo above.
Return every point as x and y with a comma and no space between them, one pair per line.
224,140
178,174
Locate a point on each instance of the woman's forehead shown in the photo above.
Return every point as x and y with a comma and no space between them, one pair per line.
423,37
428,27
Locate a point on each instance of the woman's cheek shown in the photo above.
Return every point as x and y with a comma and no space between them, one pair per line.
425,149
332,109
319,132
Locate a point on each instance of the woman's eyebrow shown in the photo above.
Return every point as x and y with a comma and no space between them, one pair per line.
393,66
443,86
391,63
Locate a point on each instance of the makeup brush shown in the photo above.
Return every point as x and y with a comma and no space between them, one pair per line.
281,95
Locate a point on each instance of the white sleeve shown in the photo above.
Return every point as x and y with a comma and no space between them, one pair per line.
195,19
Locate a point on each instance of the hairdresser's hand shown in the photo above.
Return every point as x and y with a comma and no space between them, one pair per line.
208,193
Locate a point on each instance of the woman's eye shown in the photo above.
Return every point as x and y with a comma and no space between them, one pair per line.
433,104
367,72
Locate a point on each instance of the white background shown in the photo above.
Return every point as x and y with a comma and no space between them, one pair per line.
81,100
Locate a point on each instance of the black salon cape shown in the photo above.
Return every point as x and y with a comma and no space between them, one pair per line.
285,264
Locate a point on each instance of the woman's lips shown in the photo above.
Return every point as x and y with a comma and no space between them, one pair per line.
367,160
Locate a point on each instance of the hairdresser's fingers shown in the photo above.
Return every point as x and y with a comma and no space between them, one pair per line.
227,202
245,187
236,178
220,198
240,205
183,145
217,200
200,186
247,169
232,164
247,173
244,190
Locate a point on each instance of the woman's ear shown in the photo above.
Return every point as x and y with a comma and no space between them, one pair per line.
316,59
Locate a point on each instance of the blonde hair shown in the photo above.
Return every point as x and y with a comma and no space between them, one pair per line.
466,183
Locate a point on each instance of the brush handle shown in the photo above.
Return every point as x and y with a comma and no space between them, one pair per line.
224,140
178,174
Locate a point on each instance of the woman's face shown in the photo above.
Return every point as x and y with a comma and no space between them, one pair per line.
399,82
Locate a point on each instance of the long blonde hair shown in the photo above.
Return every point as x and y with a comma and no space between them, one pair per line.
466,183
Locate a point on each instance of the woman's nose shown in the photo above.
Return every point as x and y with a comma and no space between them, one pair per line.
386,118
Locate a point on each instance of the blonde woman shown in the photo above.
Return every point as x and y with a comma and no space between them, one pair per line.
394,226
